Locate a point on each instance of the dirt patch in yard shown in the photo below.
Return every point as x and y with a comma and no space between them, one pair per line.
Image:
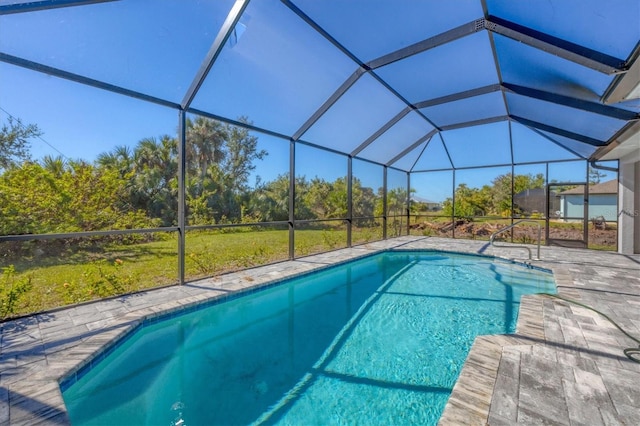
464,228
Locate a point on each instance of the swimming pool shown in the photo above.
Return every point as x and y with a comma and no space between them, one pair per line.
380,340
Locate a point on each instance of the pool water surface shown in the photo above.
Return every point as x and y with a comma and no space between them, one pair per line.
380,340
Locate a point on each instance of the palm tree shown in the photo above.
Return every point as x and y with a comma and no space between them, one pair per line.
121,159
205,144
241,151
55,165
154,177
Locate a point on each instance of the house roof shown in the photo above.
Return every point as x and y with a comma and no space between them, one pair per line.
423,200
608,187
414,85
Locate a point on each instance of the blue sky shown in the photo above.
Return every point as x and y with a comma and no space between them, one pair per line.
277,74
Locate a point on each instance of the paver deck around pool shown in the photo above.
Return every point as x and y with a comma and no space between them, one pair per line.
563,366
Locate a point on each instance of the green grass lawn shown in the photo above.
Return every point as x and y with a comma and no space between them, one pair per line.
74,275
77,271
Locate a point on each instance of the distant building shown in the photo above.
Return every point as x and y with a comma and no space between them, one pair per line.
603,201
430,205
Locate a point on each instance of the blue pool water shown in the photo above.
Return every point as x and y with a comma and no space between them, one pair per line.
377,341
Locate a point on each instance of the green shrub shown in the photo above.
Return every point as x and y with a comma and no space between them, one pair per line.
12,291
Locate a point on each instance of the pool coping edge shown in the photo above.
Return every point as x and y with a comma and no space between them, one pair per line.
471,398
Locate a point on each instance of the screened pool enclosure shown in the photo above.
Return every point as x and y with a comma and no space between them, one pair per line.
148,143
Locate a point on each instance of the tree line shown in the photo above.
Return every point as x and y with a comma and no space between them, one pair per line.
491,200
137,187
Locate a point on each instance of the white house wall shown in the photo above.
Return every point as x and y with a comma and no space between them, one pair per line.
604,205
629,205
572,207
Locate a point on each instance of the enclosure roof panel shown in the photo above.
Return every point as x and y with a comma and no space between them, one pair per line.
357,115
423,76
411,129
583,149
264,73
466,110
417,85
408,159
527,66
480,145
125,43
371,29
531,145
434,156
610,28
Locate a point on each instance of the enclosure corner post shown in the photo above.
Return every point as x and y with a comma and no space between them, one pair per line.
408,203
546,205
349,199
292,197
513,183
182,149
453,206
384,203
585,208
